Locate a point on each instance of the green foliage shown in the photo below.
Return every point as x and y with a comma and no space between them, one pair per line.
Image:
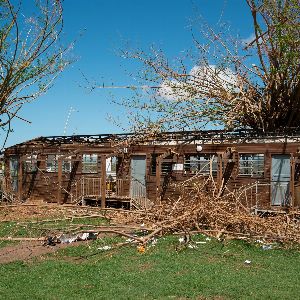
234,83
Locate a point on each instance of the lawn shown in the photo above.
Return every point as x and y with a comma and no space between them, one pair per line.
166,270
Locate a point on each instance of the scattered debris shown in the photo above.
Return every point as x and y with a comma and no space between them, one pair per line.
153,242
71,238
267,247
105,248
214,215
141,249
50,241
181,240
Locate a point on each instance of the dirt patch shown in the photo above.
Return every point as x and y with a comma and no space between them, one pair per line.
27,250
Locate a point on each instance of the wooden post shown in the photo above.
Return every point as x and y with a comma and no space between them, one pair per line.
158,175
59,177
20,178
220,171
103,181
292,180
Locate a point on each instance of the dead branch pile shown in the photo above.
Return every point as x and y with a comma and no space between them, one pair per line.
197,209
221,217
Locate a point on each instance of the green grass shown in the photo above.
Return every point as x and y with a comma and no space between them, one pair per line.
43,229
211,271
31,229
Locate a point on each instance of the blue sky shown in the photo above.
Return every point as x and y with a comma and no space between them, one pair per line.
106,25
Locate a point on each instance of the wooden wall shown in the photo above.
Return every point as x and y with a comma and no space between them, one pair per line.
44,185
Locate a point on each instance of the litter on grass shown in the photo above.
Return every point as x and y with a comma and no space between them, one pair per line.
71,238
141,249
267,247
105,248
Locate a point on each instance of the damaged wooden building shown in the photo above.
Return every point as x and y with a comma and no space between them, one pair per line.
125,170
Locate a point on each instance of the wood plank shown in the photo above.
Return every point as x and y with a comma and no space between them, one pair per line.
103,180
59,200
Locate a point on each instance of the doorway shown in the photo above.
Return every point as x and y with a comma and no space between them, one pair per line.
280,180
138,176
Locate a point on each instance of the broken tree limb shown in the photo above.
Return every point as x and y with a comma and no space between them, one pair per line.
21,239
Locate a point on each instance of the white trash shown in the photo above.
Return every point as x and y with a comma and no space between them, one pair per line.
105,248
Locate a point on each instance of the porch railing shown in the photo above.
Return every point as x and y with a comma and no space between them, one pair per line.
138,196
90,187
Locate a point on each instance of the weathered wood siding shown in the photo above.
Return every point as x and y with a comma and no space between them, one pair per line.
256,189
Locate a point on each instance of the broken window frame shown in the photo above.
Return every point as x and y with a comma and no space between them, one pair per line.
153,161
30,164
89,163
196,163
111,168
252,164
14,172
167,165
67,165
52,164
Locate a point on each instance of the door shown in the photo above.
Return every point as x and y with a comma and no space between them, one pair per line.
138,176
280,180
13,170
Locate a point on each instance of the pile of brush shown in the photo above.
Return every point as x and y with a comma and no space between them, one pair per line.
195,210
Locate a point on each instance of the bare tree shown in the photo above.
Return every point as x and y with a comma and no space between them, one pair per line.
234,83
31,56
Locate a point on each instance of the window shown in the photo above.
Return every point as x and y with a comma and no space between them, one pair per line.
111,167
52,164
13,170
166,164
66,165
251,164
153,164
166,167
200,163
89,163
30,163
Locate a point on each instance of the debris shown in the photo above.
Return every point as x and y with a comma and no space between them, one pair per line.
29,239
85,236
50,241
181,240
259,241
105,248
222,216
67,238
141,249
129,240
267,247
71,238
153,242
